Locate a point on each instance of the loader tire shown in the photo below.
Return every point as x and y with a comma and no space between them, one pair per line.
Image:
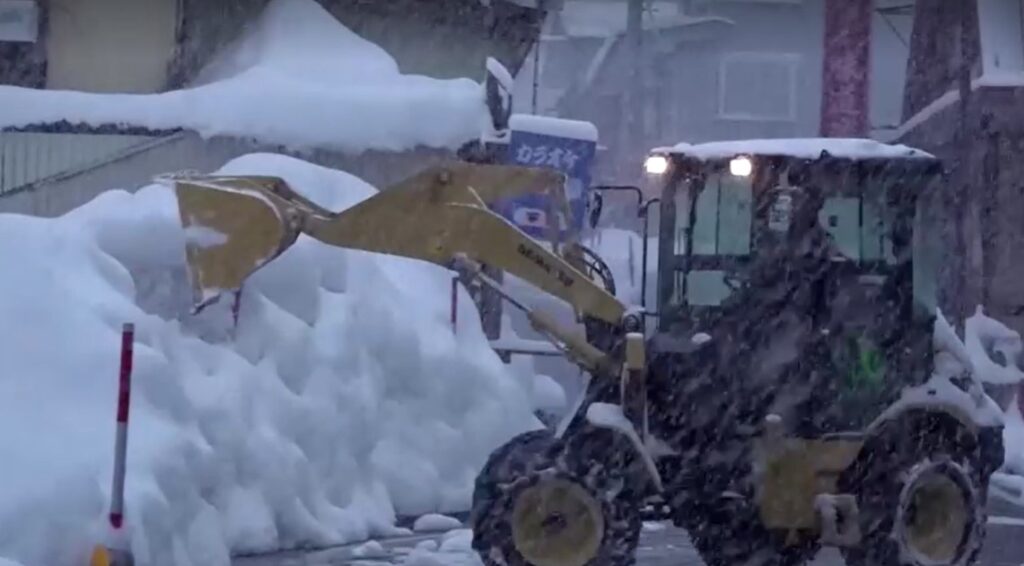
920,505
535,505
729,532
509,461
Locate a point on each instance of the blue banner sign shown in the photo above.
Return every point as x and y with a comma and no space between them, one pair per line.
571,156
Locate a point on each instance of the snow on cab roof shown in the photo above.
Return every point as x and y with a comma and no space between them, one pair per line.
804,148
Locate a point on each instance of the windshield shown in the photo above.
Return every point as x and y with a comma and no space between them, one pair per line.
719,228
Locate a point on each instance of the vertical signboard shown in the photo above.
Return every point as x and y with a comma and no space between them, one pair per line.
567,146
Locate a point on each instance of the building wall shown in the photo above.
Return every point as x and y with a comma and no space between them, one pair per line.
995,170
760,77
151,45
206,27
988,160
110,45
687,66
24,63
441,38
935,60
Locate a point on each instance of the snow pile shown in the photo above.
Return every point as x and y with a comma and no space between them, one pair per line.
809,148
298,78
455,550
984,338
435,522
341,399
1009,481
983,335
548,394
1014,438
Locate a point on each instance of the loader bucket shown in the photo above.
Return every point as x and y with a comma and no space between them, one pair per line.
232,228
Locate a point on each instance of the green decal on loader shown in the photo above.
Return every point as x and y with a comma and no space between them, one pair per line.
867,370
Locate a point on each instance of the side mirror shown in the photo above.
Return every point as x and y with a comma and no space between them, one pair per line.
595,207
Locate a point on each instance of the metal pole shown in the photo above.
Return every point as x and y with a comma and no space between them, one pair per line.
454,315
633,101
236,308
121,442
542,6
646,211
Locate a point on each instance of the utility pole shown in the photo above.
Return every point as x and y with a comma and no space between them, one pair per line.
633,100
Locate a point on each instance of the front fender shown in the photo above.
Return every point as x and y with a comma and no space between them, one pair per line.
610,416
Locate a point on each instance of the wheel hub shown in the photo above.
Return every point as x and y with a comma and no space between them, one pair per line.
936,519
557,523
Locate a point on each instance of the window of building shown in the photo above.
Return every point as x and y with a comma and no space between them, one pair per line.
758,86
1002,35
22,53
19,21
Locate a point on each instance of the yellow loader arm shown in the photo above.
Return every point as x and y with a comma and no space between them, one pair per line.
236,224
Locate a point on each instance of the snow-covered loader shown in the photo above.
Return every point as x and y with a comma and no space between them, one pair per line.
789,396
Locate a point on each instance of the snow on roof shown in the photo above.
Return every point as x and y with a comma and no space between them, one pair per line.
297,77
1001,78
807,148
586,18
575,129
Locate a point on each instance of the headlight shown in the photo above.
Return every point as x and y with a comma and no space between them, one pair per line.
741,167
656,165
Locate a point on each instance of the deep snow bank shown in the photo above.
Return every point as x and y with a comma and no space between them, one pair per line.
343,398
985,338
295,58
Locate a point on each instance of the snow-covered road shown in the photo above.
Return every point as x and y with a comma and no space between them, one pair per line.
661,545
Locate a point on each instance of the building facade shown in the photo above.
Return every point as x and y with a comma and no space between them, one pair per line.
147,46
964,102
712,70
153,46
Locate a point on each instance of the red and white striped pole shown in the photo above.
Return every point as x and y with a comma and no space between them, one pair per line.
121,443
116,553
454,315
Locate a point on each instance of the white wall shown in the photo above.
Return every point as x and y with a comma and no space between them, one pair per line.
1002,47
110,45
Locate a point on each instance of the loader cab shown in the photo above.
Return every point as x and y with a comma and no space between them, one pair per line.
844,233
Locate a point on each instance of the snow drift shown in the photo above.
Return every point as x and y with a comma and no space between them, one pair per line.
341,399
295,58
995,352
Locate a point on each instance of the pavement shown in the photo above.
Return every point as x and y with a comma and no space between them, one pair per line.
660,545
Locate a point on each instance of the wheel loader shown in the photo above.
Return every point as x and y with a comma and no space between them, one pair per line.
793,387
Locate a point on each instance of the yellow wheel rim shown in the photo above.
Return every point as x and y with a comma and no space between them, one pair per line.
557,523
937,519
